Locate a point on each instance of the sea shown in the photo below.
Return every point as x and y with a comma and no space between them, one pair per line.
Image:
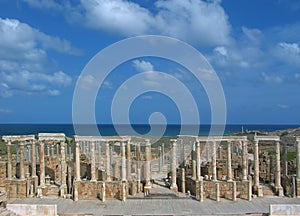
126,130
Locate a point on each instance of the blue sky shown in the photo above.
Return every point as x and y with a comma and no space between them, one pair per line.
253,46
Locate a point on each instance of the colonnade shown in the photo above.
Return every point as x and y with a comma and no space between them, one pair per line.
91,146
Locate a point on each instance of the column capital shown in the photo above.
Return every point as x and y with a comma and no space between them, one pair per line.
8,142
197,143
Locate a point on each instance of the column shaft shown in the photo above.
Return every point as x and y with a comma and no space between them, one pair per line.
42,164
256,164
107,152
77,161
128,161
93,161
22,168
214,162
148,163
123,161
33,159
198,160
245,160
277,173
229,170
298,158
9,161
174,164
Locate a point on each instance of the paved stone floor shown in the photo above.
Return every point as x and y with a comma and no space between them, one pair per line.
161,206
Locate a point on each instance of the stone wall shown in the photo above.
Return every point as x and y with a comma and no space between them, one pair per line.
16,188
242,188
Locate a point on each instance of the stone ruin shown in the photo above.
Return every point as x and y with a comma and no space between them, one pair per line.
85,167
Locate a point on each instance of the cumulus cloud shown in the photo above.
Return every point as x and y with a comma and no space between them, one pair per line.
288,52
196,21
24,62
142,66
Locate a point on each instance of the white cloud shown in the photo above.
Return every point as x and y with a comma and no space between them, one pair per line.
143,66
288,53
44,4
24,62
276,79
147,97
196,21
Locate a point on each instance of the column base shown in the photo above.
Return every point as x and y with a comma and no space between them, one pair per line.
174,188
279,191
258,190
63,190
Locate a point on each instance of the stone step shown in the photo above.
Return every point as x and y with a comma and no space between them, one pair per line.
5,212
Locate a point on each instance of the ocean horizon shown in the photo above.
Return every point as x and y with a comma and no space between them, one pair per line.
124,130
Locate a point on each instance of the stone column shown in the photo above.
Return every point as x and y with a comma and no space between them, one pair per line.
148,165
159,159
234,191
128,161
107,152
22,169
298,158
33,159
123,161
52,150
245,160
250,188
229,170
63,185
173,165
163,153
256,165
42,164
9,160
138,166
194,164
48,150
33,167
99,154
93,161
77,161
284,158
198,160
278,186
182,180
217,192
57,149
214,162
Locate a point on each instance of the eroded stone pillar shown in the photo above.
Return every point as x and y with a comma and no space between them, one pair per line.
77,161
33,159
159,159
22,168
198,160
182,180
107,152
93,162
245,160
284,158
123,161
42,164
63,184
128,161
138,166
256,165
147,165
229,170
298,158
194,163
234,191
217,192
278,186
9,160
174,165
214,162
